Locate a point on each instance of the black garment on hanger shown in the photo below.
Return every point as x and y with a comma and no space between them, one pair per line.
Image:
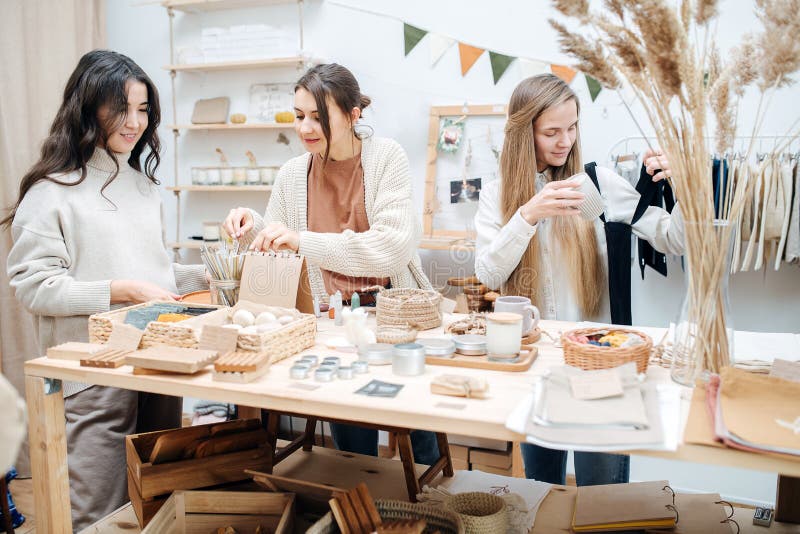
618,246
660,195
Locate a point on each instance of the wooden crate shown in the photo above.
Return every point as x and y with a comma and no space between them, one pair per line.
149,483
203,512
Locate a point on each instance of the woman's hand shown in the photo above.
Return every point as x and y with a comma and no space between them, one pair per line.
655,160
138,291
238,222
556,198
276,237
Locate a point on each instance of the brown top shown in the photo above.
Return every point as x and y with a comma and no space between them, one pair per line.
336,204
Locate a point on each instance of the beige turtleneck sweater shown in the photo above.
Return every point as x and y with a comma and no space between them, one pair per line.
70,243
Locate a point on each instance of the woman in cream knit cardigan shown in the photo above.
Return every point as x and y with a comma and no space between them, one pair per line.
346,206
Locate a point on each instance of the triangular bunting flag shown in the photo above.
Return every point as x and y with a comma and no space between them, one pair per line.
531,67
565,73
594,87
500,64
439,45
412,36
469,55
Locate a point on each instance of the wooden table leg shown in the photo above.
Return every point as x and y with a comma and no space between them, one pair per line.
7,522
310,433
248,412
407,457
47,436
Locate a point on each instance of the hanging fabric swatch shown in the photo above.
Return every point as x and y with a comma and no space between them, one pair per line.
594,87
565,73
412,36
439,45
469,55
531,67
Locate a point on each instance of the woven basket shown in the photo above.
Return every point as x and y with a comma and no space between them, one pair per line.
481,513
395,336
438,519
100,324
281,343
592,357
406,307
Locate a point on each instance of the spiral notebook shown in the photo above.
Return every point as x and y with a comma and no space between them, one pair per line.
277,279
620,507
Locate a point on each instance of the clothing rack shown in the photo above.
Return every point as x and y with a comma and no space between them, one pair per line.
623,146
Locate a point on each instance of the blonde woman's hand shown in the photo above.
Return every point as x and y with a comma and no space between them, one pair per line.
276,236
656,160
238,222
556,198
138,291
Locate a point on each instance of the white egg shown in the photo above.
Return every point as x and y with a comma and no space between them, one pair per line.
286,319
244,318
232,326
265,317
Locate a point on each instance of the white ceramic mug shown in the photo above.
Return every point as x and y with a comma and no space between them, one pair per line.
592,206
522,306
503,334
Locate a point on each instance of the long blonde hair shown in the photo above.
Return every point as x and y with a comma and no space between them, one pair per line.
576,236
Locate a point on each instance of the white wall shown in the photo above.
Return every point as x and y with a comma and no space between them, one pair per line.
403,89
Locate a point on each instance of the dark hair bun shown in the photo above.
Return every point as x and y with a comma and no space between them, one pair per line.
364,102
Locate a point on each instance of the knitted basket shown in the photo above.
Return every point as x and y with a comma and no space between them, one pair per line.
395,336
592,357
438,519
406,307
481,513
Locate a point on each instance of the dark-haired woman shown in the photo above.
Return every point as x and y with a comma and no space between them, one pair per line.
88,235
346,205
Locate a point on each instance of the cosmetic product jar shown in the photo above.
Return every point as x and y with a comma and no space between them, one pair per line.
408,359
376,353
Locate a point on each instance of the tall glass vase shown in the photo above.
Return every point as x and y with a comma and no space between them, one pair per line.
703,340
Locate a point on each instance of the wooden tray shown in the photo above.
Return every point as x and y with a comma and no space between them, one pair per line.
172,359
107,359
527,357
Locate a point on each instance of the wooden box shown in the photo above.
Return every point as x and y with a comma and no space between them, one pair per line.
203,512
149,483
280,343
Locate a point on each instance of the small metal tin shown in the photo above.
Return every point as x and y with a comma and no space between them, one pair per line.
324,374
346,372
376,353
311,359
438,347
335,360
408,359
360,367
470,344
299,371
329,366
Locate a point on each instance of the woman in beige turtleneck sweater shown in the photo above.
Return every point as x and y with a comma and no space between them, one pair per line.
88,236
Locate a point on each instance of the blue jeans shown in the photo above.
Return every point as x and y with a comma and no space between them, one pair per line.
360,440
591,468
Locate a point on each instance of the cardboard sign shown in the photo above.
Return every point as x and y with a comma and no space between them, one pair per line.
277,279
218,338
124,337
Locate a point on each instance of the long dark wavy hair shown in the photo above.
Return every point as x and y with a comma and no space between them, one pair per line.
99,79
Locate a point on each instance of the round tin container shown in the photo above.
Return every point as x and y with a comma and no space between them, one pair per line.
311,359
346,372
438,347
360,367
324,374
329,366
332,360
299,371
376,353
408,359
470,344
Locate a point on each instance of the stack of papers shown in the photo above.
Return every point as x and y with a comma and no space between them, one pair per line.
616,507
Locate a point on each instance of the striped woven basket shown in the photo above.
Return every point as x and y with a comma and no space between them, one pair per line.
481,513
438,519
409,308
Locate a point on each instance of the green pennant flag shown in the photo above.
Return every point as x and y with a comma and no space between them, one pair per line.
500,64
594,87
412,36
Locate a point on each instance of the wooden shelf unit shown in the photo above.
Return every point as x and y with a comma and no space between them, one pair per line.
219,188
298,61
230,126
202,6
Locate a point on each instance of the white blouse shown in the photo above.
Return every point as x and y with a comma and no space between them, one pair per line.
500,247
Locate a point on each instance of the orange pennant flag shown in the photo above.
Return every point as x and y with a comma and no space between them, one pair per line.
469,55
563,72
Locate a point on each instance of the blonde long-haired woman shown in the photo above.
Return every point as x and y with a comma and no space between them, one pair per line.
531,243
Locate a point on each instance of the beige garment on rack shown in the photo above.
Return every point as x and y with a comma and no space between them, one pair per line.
787,188
793,235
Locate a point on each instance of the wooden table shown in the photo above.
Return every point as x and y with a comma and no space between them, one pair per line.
414,407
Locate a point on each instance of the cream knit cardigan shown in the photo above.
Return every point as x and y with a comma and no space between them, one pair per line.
387,249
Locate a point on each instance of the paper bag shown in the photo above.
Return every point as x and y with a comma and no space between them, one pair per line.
277,279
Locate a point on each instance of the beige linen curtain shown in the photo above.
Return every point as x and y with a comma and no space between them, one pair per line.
40,44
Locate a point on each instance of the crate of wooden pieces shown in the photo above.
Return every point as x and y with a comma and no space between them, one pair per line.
224,512
191,458
241,366
89,354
